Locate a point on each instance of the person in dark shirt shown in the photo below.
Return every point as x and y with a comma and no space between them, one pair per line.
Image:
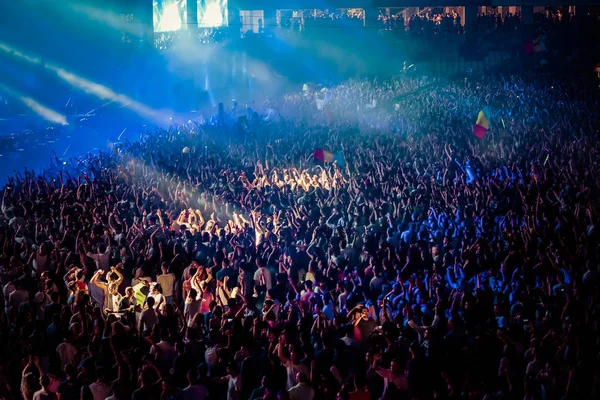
182,363
277,373
249,371
70,388
170,391
418,374
150,389
53,308
259,392
364,325
227,270
127,304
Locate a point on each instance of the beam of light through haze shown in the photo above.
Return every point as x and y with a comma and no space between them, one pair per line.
35,106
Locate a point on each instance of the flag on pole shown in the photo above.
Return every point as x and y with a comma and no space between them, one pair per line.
482,125
323,155
329,157
339,159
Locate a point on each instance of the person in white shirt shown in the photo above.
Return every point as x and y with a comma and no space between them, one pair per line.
343,297
40,260
192,307
67,352
17,297
393,375
7,290
164,351
159,299
148,318
100,389
166,282
292,365
302,391
41,300
262,276
102,257
234,382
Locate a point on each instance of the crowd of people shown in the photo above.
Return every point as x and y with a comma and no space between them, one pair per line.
224,261
434,21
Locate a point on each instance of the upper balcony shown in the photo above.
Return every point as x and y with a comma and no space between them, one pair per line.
370,4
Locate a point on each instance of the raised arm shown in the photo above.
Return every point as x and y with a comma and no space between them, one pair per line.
194,281
96,280
118,273
280,354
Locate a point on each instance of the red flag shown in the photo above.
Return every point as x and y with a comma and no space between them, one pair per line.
482,124
479,131
323,155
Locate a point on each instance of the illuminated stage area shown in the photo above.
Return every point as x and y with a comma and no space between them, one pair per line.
212,13
172,15
169,15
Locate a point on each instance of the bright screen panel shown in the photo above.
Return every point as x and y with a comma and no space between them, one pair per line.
169,15
212,13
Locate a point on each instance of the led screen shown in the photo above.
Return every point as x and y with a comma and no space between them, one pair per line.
212,13
169,15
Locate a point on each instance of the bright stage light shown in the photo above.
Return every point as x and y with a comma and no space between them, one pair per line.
170,21
213,16
212,13
169,15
